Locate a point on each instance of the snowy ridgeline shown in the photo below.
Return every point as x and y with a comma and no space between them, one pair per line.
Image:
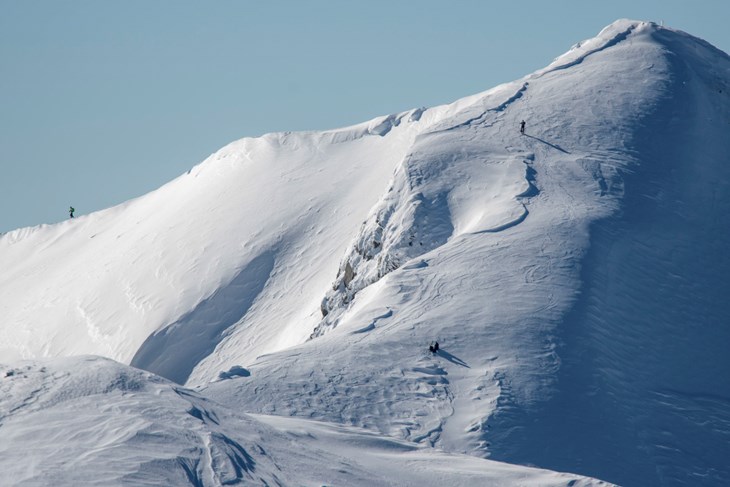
574,277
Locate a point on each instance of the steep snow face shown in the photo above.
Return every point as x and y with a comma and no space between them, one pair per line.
447,186
91,421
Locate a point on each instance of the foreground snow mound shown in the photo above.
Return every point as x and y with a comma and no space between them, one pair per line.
91,421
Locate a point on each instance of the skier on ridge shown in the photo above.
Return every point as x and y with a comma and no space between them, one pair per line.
71,210
522,127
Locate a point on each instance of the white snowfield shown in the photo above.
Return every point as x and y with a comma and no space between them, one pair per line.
575,278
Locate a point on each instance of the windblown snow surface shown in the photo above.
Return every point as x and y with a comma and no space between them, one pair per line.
91,421
576,278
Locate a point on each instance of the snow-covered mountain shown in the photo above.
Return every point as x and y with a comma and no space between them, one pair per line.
575,277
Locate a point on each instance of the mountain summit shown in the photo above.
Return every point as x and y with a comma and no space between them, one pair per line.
575,276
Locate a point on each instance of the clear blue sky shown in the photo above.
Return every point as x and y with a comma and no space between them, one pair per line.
102,101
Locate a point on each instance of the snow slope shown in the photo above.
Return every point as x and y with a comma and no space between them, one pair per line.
91,421
574,276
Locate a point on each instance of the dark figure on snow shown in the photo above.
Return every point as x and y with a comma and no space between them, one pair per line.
71,211
522,127
434,347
